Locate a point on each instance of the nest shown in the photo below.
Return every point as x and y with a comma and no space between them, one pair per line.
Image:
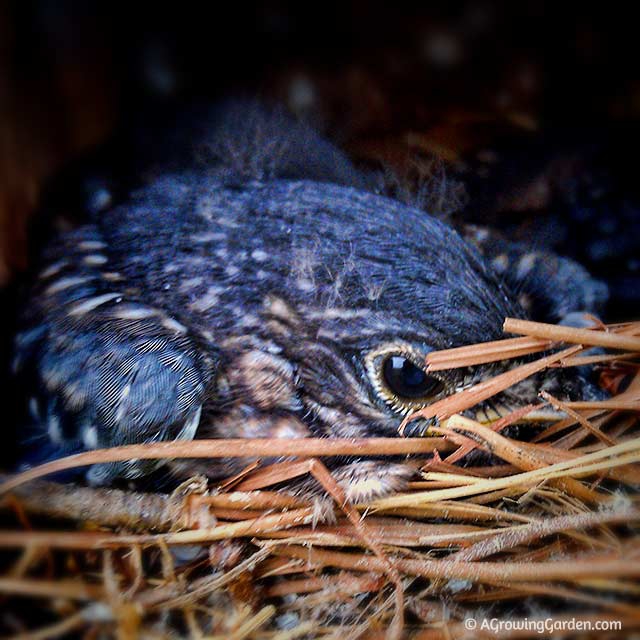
547,536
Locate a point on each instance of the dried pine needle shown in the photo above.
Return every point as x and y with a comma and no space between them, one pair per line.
558,520
587,337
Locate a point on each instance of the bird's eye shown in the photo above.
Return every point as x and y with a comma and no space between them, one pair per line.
398,377
405,380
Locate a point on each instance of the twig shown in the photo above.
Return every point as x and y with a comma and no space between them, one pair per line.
573,569
528,533
110,507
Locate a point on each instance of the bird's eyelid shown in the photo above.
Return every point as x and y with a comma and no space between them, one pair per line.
417,354
374,362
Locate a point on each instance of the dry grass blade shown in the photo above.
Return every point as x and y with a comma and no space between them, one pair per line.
594,602
60,540
274,474
255,622
624,453
238,448
580,361
524,455
251,500
228,560
72,589
227,531
527,456
207,586
321,473
452,510
563,406
485,352
562,425
344,583
65,627
557,333
497,426
614,404
389,531
484,390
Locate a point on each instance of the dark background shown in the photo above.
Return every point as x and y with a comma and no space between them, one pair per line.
531,108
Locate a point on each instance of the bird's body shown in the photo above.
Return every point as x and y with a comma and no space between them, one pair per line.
270,293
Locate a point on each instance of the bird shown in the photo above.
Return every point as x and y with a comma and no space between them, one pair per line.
266,287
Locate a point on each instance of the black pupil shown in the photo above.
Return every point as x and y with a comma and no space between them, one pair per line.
406,380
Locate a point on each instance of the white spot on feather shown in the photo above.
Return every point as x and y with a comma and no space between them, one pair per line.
95,259
500,263
304,284
338,313
208,237
66,283
91,245
92,303
34,409
54,268
111,276
525,264
134,313
208,300
191,283
90,437
227,222
259,255
173,325
54,430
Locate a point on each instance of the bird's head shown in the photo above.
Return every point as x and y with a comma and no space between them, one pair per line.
350,292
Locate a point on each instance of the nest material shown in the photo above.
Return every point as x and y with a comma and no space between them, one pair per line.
550,533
